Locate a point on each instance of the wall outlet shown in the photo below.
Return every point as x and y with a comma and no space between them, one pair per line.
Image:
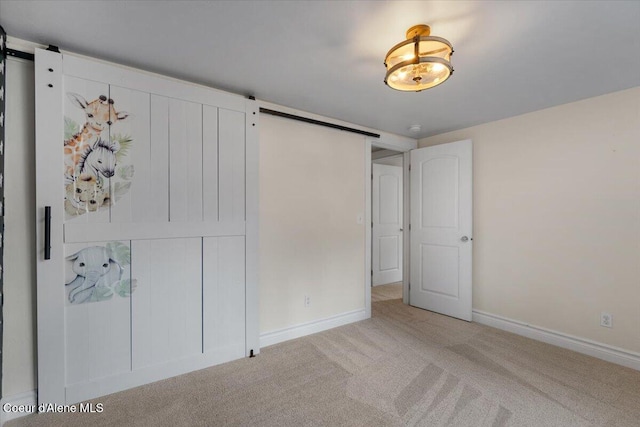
606,320
307,301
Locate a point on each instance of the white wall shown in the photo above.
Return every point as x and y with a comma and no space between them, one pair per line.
557,217
312,190
19,344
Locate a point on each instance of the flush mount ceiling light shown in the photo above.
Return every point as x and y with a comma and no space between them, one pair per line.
420,62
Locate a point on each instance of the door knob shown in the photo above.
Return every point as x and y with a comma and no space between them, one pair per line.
402,229
464,238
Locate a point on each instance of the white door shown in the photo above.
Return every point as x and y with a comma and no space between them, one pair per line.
441,229
387,224
146,182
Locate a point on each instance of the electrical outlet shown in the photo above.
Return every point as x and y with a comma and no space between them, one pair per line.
606,320
307,301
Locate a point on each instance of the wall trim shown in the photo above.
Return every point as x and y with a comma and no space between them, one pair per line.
27,398
308,328
602,351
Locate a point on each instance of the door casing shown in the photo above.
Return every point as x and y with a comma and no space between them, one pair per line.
404,146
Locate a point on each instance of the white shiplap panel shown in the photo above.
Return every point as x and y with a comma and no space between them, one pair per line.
185,161
133,167
224,296
210,162
178,160
76,116
194,158
157,206
98,334
231,165
141,304
167,304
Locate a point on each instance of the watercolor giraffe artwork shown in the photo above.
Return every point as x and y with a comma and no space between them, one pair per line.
100,115
92,154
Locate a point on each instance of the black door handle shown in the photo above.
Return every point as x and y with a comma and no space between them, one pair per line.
47,232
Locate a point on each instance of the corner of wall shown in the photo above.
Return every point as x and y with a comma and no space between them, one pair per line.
19,405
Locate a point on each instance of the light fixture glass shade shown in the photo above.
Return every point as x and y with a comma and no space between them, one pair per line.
420,62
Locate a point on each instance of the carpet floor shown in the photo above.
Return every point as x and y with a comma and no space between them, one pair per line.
404,366
386,292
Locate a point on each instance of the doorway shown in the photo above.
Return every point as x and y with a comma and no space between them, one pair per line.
387,224
437,250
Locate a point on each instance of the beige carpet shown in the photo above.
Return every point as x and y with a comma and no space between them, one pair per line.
404,366
386,292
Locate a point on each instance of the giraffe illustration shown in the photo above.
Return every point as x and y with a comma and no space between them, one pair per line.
100,114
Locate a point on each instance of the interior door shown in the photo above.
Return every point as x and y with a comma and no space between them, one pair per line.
386,224
146,183
441,229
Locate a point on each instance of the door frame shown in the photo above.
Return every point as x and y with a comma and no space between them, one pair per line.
402,145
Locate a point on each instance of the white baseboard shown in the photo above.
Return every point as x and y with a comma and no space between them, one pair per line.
308,328
28,398
606,352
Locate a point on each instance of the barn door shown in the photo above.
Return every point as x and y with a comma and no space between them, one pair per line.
145,191
441,229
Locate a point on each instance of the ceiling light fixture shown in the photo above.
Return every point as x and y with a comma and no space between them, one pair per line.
420,62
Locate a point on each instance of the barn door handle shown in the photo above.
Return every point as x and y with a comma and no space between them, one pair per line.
47,232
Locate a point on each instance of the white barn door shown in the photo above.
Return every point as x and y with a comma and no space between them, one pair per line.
151,186
386,199
441,229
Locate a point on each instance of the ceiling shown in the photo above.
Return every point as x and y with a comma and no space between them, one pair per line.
327,57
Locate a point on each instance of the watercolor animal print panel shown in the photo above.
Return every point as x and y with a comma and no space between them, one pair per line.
98,273
96,170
